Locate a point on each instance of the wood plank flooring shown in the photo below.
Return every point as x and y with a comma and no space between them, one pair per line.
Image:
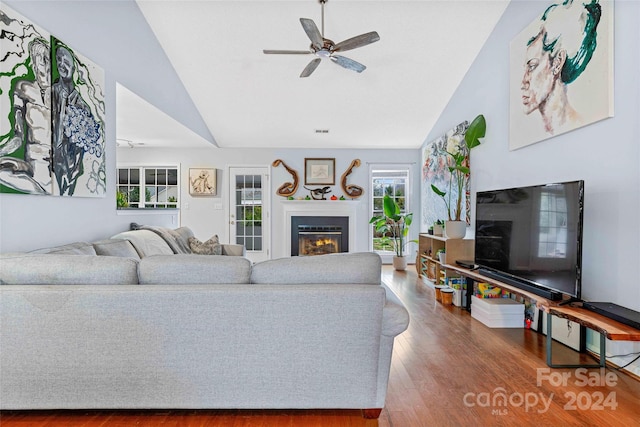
448,370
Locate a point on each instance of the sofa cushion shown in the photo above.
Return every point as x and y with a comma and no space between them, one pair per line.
354,268
78,248
193,269
115,247
146,242
210,247
55,269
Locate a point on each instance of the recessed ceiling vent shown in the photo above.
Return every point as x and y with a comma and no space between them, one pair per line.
322,130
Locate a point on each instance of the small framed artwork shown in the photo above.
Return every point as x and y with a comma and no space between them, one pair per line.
320,171
202,182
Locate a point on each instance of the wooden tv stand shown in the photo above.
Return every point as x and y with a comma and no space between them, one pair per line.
606,327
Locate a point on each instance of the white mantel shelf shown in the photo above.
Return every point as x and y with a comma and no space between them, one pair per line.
291,208
319,202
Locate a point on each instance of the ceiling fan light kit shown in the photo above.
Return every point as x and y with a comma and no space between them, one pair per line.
325,48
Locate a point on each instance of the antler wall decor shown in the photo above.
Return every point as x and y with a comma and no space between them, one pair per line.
288,188
351,190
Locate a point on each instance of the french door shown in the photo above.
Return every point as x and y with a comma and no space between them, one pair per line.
249,219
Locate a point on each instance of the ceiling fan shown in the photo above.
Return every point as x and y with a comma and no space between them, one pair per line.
325,48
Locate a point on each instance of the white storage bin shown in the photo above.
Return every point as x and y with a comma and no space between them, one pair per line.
498,312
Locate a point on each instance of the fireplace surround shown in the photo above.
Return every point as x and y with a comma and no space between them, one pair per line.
320,208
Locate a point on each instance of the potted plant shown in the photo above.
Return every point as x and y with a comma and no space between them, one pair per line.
438,227
459,170
394,225
122,201
440,254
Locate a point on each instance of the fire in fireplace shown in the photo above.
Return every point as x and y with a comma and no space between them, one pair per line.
319,235
321,240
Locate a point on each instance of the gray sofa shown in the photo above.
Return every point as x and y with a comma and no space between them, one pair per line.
168,330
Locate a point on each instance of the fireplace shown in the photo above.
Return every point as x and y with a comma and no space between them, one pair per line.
319,235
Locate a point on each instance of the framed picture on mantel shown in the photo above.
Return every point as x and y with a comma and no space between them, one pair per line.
319,171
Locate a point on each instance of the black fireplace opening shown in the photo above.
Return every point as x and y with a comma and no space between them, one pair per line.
319,235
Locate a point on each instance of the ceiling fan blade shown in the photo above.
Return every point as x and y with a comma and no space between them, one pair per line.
357,41
312,31
347,63
286,52
310,68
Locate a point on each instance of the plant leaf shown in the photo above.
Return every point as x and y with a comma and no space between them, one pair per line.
390,207
477,129
438,191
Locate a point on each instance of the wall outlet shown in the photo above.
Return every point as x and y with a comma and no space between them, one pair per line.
217,206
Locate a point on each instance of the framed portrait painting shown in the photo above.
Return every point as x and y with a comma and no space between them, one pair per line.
319,171
561,71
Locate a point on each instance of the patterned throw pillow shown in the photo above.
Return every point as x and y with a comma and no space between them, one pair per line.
210,247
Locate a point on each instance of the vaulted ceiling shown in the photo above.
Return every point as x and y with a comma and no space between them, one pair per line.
249,99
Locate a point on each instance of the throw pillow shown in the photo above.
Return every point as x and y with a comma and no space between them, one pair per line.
210,247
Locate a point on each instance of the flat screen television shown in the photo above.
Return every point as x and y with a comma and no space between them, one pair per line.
531,237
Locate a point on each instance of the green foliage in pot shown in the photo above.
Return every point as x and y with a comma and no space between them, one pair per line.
459,168
393,224
121,200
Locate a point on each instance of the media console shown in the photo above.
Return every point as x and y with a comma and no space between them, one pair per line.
607,328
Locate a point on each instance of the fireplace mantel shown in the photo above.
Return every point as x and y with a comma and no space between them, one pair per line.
291,208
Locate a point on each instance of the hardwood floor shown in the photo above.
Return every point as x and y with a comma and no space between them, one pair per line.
448,370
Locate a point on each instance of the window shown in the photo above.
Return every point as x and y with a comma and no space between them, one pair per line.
393,182
552,238
148,187
249,211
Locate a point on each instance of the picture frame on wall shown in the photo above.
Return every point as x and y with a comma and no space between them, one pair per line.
202,182
319,171
563,59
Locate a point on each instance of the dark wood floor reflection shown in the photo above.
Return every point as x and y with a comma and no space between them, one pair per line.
448,370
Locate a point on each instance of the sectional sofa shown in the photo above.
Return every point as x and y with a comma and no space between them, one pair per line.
130,325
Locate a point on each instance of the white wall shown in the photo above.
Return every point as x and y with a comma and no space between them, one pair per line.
605,155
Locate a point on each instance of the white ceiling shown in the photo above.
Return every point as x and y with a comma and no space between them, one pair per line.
248,99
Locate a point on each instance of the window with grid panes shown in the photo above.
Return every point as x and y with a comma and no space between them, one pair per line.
146,187
249,211
394,183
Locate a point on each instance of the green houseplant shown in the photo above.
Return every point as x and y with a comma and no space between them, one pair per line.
122,200
394,225
459,168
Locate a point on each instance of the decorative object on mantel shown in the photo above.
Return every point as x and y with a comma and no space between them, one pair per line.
319,193
202,182
288,189
457,161
397,225
320,171
351,190
334,197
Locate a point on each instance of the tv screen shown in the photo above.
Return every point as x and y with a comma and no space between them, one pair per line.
532,236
